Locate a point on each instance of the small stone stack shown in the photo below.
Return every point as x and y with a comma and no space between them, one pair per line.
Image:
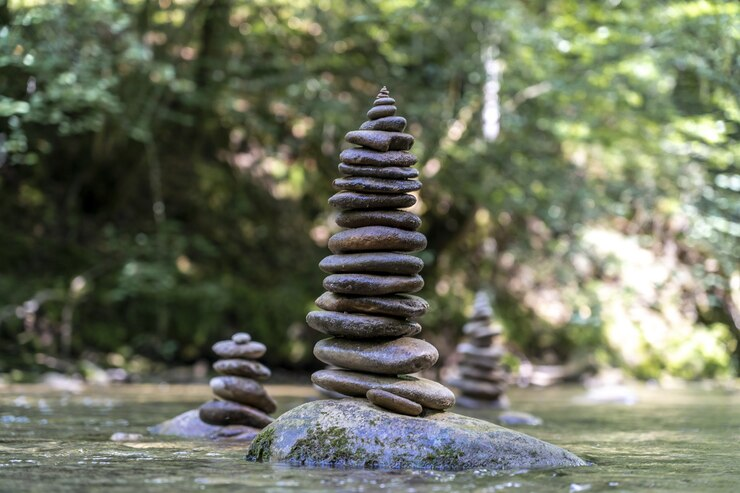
369,311
245,401
482,379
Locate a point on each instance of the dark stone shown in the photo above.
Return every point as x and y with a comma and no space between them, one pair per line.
241,338
386,262
360,326
385,356
369,157
388,124
478,388
189,425
356,200
244,391
394,219
381,111
496,374
393,402
392,172
499,401
231,413
401,305
377,238
372,285
379,140
384,101
354,433
376,185
242,368
230,349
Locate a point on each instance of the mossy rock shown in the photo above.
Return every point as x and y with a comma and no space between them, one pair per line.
354,433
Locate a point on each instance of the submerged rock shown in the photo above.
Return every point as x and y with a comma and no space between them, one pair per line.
189,425
355,433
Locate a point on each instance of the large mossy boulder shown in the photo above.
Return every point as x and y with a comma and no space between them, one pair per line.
354,433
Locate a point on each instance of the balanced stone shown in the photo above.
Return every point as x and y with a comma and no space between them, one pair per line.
376,185
394,219
380,140
372,285
381,111
357,200
360,326
373,238
388,262
377,172
243,391
388,357
479,388
242,368
230,349
241,338
388,123
232,413
482,373
384,101
400,305
370,157
393,402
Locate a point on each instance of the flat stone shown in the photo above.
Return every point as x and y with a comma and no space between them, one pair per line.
371,284
484,340
393,402
388,123
384,356
498,402
360,325
376,185
379,140
377,238
478,388
492,375
369,157
481,328
429,394
384,101
241,338
244,391
242,368
394,219
231,413
356,200
381,111
386,262
377,172
488,357
352,433
401,305
230,349
189,425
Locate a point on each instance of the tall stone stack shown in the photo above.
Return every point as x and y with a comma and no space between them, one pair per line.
368,309
245,401
482,380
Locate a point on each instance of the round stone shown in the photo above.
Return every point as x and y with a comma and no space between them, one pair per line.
400,305
359,325
393,402
376,185
230,349
244,391
368,157
356,200
241,338
231,413
380,111
387,357
384,262
377,238
388,123
384,101
392,172
395,219
372,285
242,368
380,140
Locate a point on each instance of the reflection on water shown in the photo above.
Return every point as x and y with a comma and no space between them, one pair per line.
668,441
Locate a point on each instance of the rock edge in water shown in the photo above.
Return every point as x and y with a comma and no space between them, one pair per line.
354,433
189,425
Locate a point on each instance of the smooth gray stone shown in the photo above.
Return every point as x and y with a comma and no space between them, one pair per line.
381,101
242,368
394,219
381,111
401,305
377,238
230,413
385,356
356,200
431,395
371,284
368,157
380,140
376,185
481,328
244,391
492,353
498,402
189,425
360,326
393,402
241,338
352,433
478,388
492,375
230,349
385,262
388,124
392,172
516,418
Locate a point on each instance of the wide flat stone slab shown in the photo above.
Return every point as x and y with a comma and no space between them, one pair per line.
355,433
189,425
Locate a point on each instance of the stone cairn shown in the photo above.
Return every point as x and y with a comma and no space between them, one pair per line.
482,379
245,401
368,309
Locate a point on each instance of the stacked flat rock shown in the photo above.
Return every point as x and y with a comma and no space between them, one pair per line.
482,379
243,399
369,310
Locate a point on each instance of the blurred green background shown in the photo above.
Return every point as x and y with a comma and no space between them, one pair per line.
165,167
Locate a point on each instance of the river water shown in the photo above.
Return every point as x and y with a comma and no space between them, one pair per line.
685,440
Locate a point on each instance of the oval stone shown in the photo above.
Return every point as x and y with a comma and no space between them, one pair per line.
388,357
384,101
359,325
386,262
400,305
394,219
377,238
479,388
378,172
244,391
231,413
380,140
356,200
241,338
376,185
393,402
388,123
380,111
369,157
242,368
230,349
370,284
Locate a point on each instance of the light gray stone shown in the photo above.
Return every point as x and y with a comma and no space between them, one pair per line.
384,356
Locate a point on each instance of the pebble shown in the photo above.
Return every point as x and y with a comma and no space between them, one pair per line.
388,124
230,349
231,413
401,305
393,402
356,200
386,262
242,368
241,338
381,111
377,172
376,185
244,391
371,284
360,326
377,238
369,157
394,219
388,357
